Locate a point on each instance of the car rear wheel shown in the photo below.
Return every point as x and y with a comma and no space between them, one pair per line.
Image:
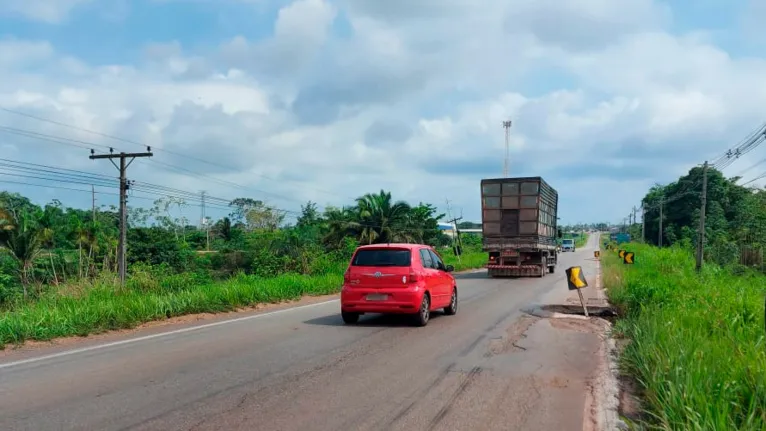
451,310
421,319
349,317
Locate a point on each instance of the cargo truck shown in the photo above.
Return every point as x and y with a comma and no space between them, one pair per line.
519,226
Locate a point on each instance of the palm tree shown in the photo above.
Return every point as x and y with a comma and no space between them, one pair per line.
340,225
381,220
22,236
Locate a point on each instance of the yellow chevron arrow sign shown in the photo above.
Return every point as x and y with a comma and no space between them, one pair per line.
575,278
630,258
621,253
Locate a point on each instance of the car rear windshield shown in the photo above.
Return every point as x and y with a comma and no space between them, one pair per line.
384,257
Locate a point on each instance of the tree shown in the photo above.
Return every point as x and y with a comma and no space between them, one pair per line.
423,224
254,214
22,236
223,229
310,215
381,220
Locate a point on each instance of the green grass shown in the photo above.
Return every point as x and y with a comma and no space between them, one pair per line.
581,240
696,341
101,309
79,310
468,260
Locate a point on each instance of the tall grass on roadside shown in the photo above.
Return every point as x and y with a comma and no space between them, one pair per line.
697,341
101,308
468,260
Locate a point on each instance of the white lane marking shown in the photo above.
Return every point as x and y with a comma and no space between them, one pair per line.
162,334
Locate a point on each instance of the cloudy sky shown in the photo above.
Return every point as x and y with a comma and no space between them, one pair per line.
287,101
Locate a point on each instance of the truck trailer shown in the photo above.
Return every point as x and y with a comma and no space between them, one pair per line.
519,226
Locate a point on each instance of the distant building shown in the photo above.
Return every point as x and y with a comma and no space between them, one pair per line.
450,230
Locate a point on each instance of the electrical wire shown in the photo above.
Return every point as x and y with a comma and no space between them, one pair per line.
158,148
89,145
760,176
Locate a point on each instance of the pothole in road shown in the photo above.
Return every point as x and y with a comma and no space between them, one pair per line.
576,310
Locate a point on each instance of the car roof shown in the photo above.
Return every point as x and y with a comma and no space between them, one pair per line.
395,245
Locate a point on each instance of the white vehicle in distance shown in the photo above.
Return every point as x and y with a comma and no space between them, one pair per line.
567,244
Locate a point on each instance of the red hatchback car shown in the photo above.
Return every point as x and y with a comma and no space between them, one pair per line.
397,279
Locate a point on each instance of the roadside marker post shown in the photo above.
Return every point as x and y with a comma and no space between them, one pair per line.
629,258
576,281
597,253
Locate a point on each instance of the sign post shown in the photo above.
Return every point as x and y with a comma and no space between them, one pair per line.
598,268
576,281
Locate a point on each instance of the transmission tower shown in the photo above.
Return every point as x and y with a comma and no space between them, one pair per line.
507,161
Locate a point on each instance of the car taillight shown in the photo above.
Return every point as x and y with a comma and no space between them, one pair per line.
415,277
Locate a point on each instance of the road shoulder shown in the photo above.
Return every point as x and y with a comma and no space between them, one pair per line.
577,348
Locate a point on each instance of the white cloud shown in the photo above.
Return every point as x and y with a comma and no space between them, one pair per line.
49,11
412,101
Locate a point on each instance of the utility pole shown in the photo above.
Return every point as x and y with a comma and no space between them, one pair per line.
701,235
203,222
93,197
456,245
123,167
662,201
202,212
507,162
643,223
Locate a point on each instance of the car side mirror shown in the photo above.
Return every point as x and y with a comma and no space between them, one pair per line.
449,268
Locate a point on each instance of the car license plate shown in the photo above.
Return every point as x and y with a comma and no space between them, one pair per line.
376,297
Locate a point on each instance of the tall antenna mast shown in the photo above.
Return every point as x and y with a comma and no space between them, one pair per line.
507,161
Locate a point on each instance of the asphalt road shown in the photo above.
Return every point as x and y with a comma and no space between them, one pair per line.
302,369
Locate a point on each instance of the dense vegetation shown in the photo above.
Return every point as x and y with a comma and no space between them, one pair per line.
735,218
57,266
696,340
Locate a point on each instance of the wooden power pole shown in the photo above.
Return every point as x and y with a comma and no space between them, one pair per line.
662,201
643,223
701,234
123,167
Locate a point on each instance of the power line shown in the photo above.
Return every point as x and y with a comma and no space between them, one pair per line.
763,175
89,145
157,148
51,173
750,168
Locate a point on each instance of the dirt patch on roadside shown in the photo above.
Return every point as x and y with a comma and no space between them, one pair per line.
155,326
592,326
